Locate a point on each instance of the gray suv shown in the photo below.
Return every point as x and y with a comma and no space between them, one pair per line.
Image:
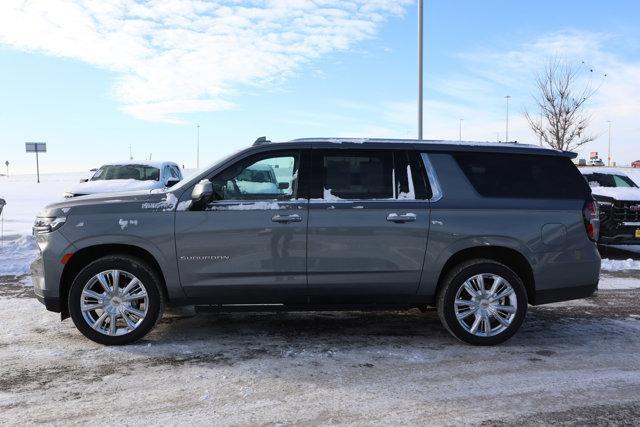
478,230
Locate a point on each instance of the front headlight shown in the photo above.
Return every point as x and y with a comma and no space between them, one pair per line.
45,225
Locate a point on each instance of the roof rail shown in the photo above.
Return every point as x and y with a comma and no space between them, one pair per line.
261,140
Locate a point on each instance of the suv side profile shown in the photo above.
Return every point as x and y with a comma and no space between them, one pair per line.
479,230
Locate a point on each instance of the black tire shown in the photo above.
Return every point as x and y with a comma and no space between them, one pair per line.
134,266
456,278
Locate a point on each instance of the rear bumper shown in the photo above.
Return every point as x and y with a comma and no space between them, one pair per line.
547,296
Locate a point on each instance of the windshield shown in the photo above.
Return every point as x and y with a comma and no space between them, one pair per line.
137,172
610,180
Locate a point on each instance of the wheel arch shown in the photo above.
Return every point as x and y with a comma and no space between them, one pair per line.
86,255
504,255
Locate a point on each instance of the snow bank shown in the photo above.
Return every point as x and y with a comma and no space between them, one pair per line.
17,254
25,197
608,282
620,265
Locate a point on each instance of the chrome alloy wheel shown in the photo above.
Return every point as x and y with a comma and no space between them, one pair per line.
114,302
485,305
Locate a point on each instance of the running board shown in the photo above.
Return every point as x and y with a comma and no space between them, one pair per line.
275,308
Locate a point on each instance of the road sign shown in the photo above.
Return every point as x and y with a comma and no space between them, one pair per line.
36,147
593,155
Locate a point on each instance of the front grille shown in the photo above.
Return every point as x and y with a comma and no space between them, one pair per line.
622,211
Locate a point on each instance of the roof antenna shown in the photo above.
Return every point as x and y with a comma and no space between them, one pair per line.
261,140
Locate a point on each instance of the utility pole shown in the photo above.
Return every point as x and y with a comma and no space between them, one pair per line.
508,97
7,165
609,155
420,25
198,147
130,155
460,131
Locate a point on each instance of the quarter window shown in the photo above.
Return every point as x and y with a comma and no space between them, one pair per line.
522,176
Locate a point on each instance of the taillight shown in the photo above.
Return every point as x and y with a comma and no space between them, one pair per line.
591,216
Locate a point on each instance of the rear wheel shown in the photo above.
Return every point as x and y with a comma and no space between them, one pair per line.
115,300
482,302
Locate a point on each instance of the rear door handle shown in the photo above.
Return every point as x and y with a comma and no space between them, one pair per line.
406,217
286,218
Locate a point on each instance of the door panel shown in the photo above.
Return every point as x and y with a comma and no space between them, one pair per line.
354,249
367,235
237,250
250,244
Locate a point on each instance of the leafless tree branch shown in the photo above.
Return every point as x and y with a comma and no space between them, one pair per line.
563,121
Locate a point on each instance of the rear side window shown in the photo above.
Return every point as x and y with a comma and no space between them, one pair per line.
523,176
358,175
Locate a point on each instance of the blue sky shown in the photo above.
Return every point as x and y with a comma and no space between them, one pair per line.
92,78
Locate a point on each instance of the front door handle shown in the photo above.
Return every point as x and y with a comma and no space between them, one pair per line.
406,217
286,218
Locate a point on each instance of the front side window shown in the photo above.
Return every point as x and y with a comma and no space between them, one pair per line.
259,179
609,180
175,172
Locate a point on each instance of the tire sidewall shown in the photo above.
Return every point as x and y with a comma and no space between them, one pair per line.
448,299
130,265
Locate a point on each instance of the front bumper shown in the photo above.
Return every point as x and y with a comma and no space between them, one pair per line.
47,269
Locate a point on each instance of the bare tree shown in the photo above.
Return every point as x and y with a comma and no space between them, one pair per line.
562,121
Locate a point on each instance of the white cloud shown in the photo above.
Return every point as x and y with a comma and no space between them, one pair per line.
476,90
182,56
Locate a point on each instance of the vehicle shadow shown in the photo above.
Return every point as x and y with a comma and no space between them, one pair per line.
229,339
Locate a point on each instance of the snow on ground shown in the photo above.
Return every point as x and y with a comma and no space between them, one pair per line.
620,264
25,197
572,363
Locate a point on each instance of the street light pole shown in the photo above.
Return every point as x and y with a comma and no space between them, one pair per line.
609,155
460,131
198,147
420,12
507,134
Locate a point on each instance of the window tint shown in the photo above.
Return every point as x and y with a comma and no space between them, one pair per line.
357,174
259,178
522,176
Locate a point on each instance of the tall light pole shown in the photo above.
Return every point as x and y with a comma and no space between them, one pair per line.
609,155
420,12
508,97
198,146
460,130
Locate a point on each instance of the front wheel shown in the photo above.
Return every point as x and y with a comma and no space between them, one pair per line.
115,300
482,302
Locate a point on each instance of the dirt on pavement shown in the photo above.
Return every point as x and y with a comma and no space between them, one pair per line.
572,363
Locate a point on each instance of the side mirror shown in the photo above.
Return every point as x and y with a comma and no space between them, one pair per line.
170,182
202,192
283,185
84,180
